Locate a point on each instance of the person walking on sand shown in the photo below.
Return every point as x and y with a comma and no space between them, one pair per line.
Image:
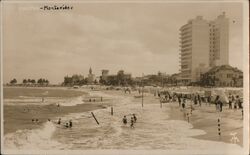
209,100
239,103
221,105
235,103
124,120
217,102
183,103
195,99
179,100
230,101
199,99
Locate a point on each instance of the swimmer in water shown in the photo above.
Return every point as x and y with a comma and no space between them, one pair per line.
124,120
67,125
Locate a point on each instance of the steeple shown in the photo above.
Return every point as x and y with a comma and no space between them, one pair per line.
90,70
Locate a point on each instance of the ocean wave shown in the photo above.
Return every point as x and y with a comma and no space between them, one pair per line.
72,101
36,139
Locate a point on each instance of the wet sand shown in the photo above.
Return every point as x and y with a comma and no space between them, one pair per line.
206,118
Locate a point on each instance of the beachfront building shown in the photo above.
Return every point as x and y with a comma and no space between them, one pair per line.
223,76
120,79
123,78
104,76
219,41
74,80
203,44
174,79
159,79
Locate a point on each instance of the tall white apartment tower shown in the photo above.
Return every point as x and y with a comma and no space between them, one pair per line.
219,41
203,44
194,47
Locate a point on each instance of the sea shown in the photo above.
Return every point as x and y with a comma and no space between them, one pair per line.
153,129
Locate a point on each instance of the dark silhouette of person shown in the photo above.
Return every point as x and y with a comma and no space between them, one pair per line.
124,120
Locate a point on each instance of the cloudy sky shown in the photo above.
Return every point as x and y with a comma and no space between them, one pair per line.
136,37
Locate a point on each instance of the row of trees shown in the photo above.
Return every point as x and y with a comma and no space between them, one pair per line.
40,81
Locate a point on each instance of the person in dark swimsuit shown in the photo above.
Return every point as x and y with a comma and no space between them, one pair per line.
132,122
70,124
124,120
135,119
59,121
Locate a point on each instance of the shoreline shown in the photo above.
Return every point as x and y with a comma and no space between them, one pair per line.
205,118
200,118
19,117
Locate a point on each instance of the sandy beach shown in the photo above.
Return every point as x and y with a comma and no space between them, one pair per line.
206,118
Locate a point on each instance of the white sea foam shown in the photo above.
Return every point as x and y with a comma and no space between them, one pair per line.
72,101
32,139
44,101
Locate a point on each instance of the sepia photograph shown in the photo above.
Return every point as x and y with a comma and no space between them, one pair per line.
124,77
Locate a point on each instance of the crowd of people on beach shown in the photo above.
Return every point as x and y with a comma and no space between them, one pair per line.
234,101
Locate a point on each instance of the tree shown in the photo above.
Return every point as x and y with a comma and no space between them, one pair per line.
13,81
33,81
24,81
47,82
40,81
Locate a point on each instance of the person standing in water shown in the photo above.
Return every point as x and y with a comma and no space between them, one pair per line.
135,119
124,120
132,122
70,124
59,121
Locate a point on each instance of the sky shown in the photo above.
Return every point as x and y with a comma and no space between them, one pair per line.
140,38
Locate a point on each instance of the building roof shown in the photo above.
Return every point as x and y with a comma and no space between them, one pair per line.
223,67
